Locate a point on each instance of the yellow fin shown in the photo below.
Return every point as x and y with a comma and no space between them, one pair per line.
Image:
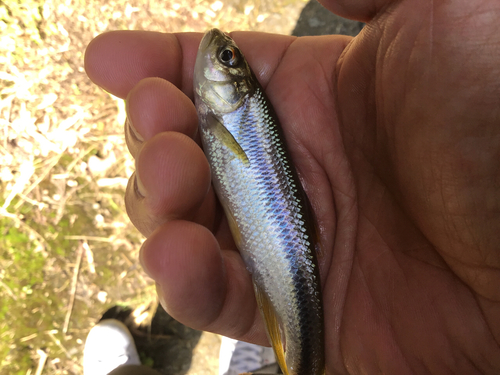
272,327
220,131
235,231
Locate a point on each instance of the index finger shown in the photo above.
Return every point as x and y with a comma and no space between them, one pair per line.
118,60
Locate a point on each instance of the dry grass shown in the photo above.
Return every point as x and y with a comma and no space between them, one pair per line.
67,249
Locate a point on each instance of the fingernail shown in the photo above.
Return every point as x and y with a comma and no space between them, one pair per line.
131,125
138,186
161,298
141,261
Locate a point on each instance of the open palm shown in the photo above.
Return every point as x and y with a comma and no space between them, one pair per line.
395,137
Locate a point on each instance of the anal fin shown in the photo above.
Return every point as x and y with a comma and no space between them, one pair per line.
272,327
233,226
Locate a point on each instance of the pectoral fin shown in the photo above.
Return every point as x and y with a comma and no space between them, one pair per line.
272,327
220,131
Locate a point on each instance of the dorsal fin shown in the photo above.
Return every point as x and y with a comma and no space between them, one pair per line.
310,216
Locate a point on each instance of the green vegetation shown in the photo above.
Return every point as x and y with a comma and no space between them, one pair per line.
67,249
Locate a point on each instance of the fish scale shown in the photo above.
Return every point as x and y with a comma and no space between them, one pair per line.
262,198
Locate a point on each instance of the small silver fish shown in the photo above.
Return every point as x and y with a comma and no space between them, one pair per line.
263,200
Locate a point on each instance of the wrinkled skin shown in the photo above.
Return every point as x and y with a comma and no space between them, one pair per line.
396,137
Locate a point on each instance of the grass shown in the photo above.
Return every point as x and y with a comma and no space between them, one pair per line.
67,248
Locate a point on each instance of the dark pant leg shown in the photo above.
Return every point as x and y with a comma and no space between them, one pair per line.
134,370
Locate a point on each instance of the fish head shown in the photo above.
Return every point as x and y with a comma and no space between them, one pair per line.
222,77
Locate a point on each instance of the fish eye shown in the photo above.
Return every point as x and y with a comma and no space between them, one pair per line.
228,56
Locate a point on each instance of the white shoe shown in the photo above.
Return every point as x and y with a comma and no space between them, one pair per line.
108,346
238,357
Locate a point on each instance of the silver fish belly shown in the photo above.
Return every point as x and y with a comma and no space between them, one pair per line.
263,201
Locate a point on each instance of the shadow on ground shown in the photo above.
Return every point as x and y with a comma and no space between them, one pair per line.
316,20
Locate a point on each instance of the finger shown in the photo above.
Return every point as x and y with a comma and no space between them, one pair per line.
263,52
118,60
171,181
199,285
155,105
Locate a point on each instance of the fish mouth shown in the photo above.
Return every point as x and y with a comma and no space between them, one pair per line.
208,38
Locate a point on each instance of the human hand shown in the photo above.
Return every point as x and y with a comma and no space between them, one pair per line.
397,146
